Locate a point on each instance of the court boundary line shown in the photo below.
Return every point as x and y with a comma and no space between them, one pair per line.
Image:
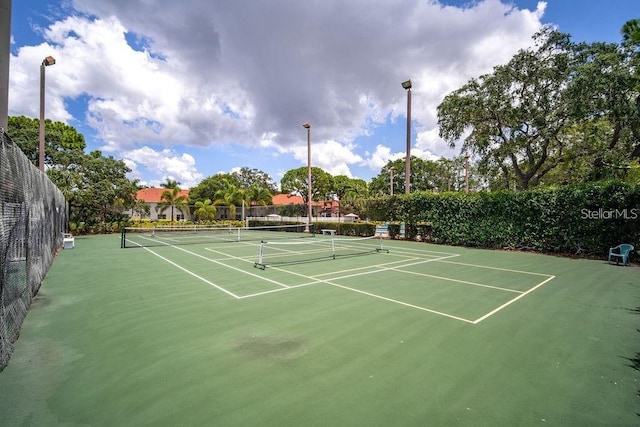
497,268
465,282
275,282
373,269
508,303
208,282
522,294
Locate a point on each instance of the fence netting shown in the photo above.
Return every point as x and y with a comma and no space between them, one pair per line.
33,218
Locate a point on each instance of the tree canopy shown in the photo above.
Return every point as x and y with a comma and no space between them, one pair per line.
95,186
558,105
230,196
295,182
248,178
208,187
61,140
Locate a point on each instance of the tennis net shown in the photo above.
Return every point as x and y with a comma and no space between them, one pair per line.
296,252
137,237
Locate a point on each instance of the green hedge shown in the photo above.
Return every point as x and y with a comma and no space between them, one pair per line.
347,228
580,219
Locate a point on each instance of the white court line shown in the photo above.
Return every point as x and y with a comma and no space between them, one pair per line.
491,313
329,282
193,274
232,268
216,262
377,268
373,269
365,267
458,281
402,250
380,269
257,294
497,268
401,303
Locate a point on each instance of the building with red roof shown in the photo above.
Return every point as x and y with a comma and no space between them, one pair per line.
153,197
281,204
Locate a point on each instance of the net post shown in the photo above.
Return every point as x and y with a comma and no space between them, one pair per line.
381,248
259,263
333,248
122,237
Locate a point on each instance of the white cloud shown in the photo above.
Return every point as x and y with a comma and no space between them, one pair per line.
381,156
166,164
206,73
332,156
430,142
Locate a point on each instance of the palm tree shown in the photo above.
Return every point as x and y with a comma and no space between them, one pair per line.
170,183
205,210
141,207
259,196
631,32
171,198
230,196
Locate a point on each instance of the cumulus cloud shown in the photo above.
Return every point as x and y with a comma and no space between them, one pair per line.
213,73
168,164
382,154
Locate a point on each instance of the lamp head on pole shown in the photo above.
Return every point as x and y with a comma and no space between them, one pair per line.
407,84
306,125
49,60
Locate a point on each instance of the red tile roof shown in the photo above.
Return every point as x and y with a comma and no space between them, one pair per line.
288,199
154,195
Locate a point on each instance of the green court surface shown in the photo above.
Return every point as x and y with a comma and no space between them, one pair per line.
421,335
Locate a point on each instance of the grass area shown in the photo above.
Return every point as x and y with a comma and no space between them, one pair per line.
423,335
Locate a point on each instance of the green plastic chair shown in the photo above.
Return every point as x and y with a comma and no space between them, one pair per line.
621,253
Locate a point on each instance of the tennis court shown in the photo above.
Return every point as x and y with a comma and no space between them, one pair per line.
409,277
323,330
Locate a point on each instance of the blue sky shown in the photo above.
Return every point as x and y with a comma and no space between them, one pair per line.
184,90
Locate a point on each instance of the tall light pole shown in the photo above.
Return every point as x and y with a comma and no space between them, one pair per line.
391,169
5,54
466,172
307,126
49,60
407,179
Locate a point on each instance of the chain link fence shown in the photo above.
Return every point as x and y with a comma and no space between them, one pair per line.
33,218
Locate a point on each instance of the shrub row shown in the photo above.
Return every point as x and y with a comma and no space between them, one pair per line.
347,228
581,219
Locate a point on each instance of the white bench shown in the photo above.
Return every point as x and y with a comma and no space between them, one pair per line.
328,231
67,241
